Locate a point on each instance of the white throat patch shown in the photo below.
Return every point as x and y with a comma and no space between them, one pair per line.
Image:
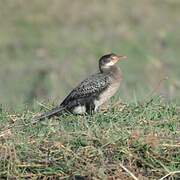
111,63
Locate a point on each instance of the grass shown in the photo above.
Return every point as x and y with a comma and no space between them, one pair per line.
137,140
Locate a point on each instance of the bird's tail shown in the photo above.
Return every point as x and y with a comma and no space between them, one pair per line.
54,112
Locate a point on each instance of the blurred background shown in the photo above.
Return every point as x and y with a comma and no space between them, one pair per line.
48,46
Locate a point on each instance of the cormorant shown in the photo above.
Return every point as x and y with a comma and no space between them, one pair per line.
93,91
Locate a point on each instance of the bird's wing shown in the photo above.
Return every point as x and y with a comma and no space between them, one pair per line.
90,87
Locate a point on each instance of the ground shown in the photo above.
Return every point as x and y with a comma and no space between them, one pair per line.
140,139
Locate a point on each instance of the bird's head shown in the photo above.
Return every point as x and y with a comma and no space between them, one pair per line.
109,60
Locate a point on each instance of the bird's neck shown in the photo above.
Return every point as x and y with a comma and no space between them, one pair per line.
113,71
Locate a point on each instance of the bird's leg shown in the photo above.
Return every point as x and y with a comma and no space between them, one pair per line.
90,107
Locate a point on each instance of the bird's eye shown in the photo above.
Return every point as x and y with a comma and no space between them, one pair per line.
113,57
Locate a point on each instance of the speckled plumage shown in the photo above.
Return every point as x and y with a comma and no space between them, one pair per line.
90,87
92,92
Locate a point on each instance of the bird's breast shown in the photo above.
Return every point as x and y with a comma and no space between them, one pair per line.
106,94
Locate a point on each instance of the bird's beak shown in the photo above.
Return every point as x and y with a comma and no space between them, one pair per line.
122,57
